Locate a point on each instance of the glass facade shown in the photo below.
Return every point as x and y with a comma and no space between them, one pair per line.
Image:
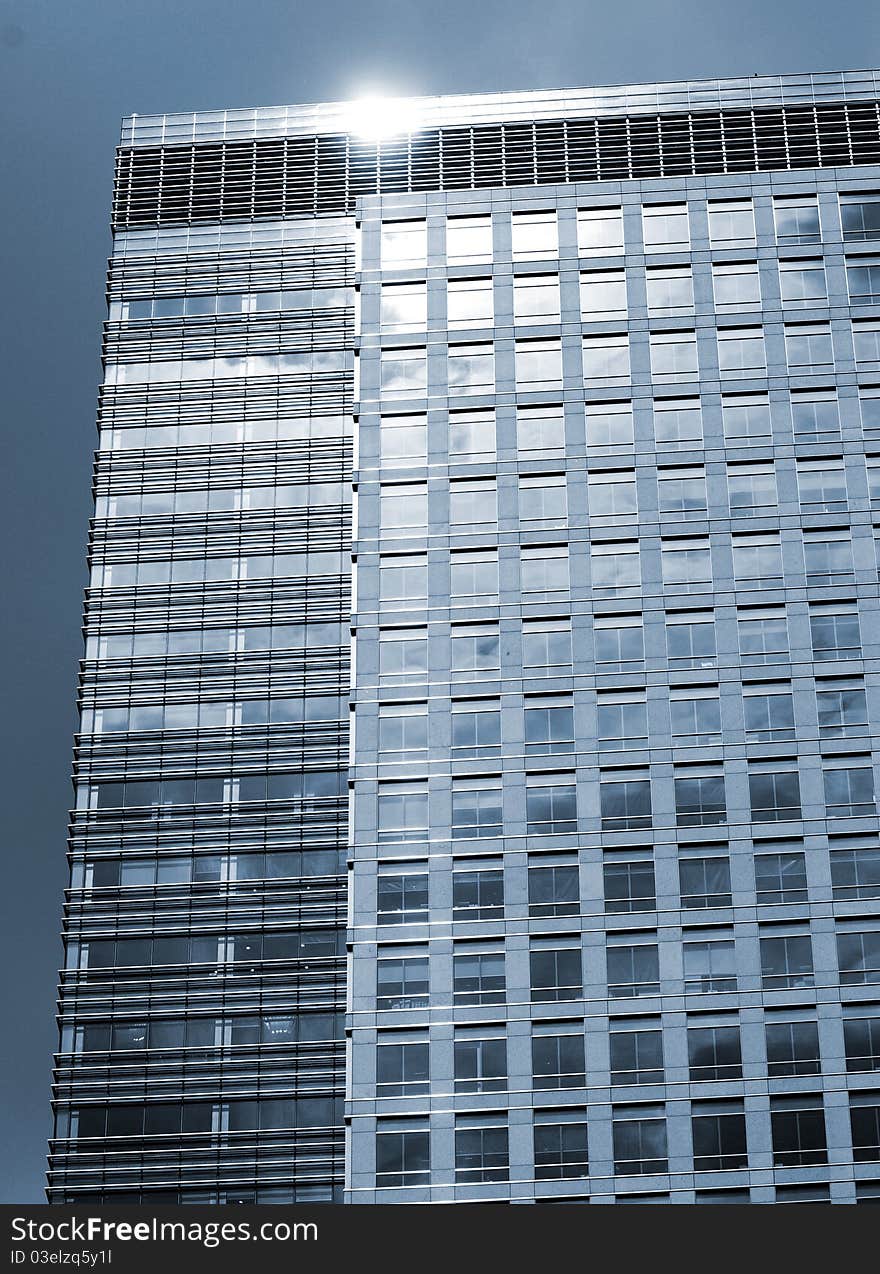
608,795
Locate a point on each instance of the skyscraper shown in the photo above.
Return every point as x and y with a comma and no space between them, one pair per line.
602,368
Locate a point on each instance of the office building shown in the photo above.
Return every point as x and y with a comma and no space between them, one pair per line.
590,383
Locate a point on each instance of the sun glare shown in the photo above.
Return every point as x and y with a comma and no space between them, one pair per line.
375,118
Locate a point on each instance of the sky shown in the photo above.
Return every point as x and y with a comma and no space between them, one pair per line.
68,72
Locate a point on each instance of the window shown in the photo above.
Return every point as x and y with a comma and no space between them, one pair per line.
403,244
470,369
606,357
774,793
780,877
603,294
403,811
625,803
803,282
639,1139
798,1129
403,729
682,491
600,231
540,430
797,219
864,1117
476,807
555,974
475,648
686,564
866,342
860,217
402,898
622,719
872,465
535,299
792,1048
402,982
763,635
862,1039
544,569
478,893
560,1140
718,1129
546,644
751,490
757,561
737,287
690,639
619,642
705,881
636,1054
558,1055
404,372
695,714
849,791
629,885
673,355
534,235
863,280
403,507
612,495
471,433
633,969
402,1157
480,1064
670,289
768,711
469,303
731,221
741,351
678,422
786,962
468,239
804,1194
815,415
549,724
401,1067
609,425
855,869
538,364
478,977
828,557
858,957
746,419
473,573
550,804
665,227
554,887
615,568
808,347
472,500
709,965
481,1149
714,1052
842,707
403,654
822,485
403,307
402,440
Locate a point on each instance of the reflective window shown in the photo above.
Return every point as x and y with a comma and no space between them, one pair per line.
600,231
403,244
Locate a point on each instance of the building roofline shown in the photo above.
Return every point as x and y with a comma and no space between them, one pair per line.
415,113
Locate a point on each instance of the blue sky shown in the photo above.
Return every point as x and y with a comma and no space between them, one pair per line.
68,72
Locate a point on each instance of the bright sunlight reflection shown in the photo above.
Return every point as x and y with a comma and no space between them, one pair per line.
375,118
